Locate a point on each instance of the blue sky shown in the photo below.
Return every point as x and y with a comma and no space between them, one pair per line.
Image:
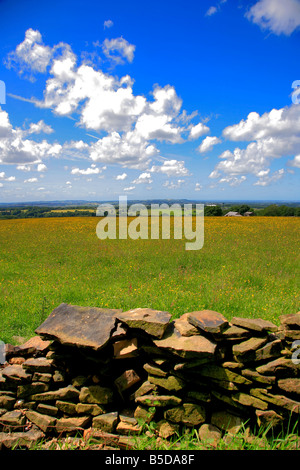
160,99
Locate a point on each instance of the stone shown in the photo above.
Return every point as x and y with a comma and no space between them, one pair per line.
153,322
290,386
155,370
166,429
188,414
58,377
72,424
159,401
30,389
171,383
209,435
278,400
198,396
7,402
279,367
126,348
37,364
66,407
96,394
79,326
223,374
120,332
269,350
144,414
186,346
245,351
291,321
33,346
27,439
226,421
248,400
184,327
128,427
47,409
79,380
16,374
208,321
126,380
13,420
144,389
234,333
268,418
41,377
45,422
256,377
107,422
254,324
89,409
65,393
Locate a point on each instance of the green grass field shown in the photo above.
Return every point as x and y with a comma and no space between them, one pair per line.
248,267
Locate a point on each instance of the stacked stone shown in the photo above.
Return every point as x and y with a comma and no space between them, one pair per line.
111,371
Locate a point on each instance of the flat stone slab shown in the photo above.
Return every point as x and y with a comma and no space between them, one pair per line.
186,346
255,324
153,322
79,326
208,321
292,321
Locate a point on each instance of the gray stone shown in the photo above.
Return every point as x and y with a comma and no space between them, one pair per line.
208,321
186,346
255,324
79,326
153,322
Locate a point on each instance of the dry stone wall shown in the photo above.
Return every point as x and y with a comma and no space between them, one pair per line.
112,371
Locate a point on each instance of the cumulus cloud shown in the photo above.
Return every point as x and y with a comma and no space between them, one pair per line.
16,148
173,184
118,49
31,180
143,178
121,177
198,187
280,17
3,177
272,135
208,143
198,130
93,170
171,168
40,127
108,24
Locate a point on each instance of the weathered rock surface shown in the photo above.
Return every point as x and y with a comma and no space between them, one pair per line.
79,326
255,324
208,321
153,322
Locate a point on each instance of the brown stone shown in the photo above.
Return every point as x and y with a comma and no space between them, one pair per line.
171,383
144,389
144,414
210,435
208,321
27,439
79,326
127,380
16,374
248,400
65,393
281,366
29,389
290,385
166,429
291,321
244,351
277,400
125,349
7,402
184,327
38,364
186,346
13,420
34,345
223,374
226,421
153,322
44,422
89,409
255,324
72,424
106,422
268,418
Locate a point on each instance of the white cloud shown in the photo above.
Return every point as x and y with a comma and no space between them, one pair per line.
198,130
108,24
24,167
208,143
278,16
211,11
37,128
121,177
198,187
31,180
30,56
295,162
89,171
171,168
143,178
118,49
265,179
3,177
41,167
274,135
129,188
173,185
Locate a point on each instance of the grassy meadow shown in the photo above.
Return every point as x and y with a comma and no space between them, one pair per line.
247,267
